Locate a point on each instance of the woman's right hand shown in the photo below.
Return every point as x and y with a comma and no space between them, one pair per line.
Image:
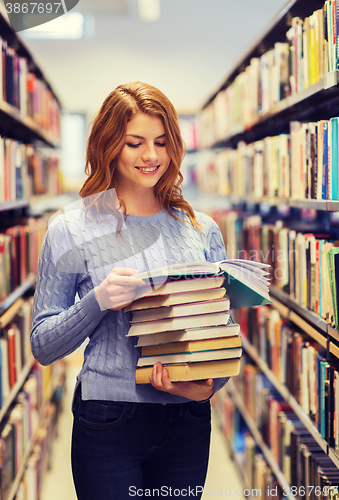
118,289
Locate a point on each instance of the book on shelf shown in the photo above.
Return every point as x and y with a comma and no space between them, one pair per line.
333,274
245,281
193,371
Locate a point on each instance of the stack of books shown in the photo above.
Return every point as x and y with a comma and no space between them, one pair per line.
182,321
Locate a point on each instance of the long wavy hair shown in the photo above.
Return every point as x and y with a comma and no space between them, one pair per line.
107,138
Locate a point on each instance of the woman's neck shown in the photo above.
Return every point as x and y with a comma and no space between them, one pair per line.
141,204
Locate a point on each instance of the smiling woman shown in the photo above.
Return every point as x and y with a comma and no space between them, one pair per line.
152,435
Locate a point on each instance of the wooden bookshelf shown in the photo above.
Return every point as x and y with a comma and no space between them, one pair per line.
282,113
17,125
282,389
15,389
319,101
15,485
13,205
23,128
18,292
258,439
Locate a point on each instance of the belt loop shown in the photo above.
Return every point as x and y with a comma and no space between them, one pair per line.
132,410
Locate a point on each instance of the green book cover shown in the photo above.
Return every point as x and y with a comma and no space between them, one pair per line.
331,271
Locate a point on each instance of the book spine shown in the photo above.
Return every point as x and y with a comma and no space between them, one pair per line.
324,160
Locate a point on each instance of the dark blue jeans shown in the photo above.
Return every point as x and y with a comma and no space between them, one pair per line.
140,450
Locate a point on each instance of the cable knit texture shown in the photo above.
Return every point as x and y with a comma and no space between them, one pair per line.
80,249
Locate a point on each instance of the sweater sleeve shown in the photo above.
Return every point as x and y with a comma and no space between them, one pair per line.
59,324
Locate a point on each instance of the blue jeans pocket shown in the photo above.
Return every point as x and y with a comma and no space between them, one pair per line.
197,412
102,415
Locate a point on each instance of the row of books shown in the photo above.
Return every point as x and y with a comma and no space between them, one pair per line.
308,471
38,462
257,476
310,51
300,364
17,431
15,349
188,129
304,265
19,252
30,425
21,88
27,171
300,165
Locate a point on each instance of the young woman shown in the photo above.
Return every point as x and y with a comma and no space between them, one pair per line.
128,440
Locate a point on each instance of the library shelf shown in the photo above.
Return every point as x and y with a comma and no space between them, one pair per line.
15,485
275,31
17,293
306,319
282,389
310,204
334,456
292,305
24,461
234,454
23,127
258,438
11,312
283,112
319,101
13,205
17,386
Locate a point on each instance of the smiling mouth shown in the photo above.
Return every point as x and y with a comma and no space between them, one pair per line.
148,169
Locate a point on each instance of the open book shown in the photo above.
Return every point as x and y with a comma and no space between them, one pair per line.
246,281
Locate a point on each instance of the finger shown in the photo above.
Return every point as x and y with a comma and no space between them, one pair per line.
158,375
207,382
124,271
128,281
166,382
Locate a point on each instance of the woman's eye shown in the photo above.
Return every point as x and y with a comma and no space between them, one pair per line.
161,144
133,145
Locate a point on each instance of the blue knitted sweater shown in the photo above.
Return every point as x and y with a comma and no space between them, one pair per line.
79,251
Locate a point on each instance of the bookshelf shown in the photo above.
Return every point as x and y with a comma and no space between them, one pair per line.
30,133
237,118
258,439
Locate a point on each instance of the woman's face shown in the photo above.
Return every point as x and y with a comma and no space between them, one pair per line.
143,158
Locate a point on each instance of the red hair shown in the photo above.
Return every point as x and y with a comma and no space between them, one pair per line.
107,138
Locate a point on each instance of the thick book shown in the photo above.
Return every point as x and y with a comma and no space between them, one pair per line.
189,334
173,299
245,281
164,287
192,346
196,308
170,324
193,371
190,357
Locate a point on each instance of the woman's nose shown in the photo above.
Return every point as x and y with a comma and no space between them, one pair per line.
150,154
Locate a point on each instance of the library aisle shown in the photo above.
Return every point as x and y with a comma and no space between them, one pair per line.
58,483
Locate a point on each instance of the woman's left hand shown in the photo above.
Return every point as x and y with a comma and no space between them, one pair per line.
198,390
